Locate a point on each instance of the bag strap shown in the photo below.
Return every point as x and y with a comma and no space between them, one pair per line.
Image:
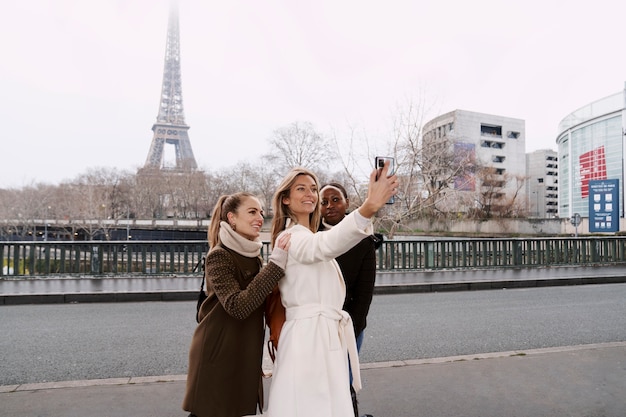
200,264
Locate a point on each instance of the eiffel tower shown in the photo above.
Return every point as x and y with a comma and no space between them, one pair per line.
170,127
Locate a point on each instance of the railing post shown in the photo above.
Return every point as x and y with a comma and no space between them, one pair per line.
143,259
158,259
95,260
172,259
16,261
129,257
32,258
62,259
517,253
47,246
594,251
76,268
381,259
429,255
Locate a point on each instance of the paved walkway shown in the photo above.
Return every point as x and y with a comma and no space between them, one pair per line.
577,381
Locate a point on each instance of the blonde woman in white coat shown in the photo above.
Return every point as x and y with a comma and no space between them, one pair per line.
310,375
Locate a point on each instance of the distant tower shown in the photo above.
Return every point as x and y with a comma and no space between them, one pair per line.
170,127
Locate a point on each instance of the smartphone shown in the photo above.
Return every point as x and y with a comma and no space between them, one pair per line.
379,163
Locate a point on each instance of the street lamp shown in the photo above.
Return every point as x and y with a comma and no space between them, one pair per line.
127,223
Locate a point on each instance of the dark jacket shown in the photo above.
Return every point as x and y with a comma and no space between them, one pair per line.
358,267
226,353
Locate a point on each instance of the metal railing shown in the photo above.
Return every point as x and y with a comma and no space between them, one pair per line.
148,258
100,257
500,253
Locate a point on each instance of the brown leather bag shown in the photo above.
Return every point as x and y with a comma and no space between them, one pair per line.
274,319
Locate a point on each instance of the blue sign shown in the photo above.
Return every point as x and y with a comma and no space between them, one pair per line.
603,206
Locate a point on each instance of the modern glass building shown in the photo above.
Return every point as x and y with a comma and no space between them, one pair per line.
591,147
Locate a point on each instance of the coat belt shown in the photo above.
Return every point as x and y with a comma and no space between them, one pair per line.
345,328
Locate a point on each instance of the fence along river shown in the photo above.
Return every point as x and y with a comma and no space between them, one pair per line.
23,259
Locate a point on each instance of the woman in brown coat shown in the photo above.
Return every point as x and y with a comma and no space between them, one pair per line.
226,354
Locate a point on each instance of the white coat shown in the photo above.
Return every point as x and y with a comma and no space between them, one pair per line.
310,375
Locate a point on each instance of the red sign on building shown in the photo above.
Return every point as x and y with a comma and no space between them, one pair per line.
592,167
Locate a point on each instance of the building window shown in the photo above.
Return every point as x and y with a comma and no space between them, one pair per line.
491,130
540,180
498,158
512,135
491,144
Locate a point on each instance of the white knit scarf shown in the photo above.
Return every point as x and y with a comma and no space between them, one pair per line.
238,243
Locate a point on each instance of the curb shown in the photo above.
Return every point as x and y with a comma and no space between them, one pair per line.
380,289
364,366
99,297
497,285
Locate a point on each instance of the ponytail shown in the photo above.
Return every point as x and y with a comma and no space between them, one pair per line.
214,228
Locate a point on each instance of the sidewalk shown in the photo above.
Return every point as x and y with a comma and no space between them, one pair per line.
179,288
576,381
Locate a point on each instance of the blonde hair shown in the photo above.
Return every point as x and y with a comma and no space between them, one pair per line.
225,204
282,211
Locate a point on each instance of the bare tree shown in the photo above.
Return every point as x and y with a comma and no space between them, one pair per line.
299,144
97,201
354,162
500,195
15,212
264,181
434,170
230,181
149,196
515,202
423,166
26,209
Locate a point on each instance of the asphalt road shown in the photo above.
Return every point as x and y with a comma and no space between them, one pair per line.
62,342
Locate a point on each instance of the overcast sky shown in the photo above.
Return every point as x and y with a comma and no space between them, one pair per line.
80,80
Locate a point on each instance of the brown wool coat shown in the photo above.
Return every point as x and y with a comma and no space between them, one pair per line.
226,353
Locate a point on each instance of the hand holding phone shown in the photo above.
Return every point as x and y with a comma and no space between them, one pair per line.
379,162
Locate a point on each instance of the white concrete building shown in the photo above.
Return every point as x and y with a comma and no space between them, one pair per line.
542,183
496,142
